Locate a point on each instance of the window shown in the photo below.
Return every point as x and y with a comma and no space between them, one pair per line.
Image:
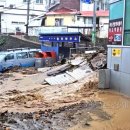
25,0
78,18
9,57
39,1
58,22
22,55
88,21
32,54
14,22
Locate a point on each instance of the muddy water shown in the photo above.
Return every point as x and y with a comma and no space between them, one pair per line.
58,119
118,106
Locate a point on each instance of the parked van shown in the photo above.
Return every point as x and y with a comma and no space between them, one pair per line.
22,57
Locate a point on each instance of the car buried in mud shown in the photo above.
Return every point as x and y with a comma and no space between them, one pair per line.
21,57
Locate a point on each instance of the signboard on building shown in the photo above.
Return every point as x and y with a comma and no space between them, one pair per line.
115,31
116,52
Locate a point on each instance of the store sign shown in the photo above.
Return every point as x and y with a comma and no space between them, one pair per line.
116,52
115,31
73,38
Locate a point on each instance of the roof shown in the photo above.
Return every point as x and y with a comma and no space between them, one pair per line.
66,11
100,13
63,10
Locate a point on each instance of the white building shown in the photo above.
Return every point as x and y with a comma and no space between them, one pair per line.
14,14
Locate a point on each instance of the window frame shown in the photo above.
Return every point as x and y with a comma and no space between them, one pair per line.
21,55
39,1
11,58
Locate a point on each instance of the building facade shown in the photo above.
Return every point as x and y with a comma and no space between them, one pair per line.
68,20
14,14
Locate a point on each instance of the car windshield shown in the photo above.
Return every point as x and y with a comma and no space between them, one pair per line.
2,56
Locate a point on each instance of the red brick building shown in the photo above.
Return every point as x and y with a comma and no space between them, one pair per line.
70,4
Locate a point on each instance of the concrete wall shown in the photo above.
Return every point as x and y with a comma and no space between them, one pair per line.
104,25
120,80
67,20
12,42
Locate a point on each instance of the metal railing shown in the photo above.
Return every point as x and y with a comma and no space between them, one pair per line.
80,50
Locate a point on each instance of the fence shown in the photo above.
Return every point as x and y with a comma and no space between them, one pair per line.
80,51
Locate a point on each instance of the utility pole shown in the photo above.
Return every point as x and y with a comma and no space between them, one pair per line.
28,10
94,23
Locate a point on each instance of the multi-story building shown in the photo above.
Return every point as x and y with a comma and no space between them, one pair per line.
101,5
70,20
14,14
72,15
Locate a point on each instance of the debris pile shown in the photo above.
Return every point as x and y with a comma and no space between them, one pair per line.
74,71
58,119
97,60
88,89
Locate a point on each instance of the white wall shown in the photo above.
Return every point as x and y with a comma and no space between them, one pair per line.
104,25
18,15
9,27
86,7
23,5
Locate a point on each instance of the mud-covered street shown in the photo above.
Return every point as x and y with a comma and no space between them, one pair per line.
27,103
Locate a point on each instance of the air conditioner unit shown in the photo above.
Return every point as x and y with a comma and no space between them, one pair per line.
11,6
104,79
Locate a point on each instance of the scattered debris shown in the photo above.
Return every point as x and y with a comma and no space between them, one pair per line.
59,70
20,99
26,71
97,60
88,89
60,79
5,76
58,119
13,92
77,61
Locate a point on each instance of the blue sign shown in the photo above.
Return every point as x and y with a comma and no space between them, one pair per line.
71,38
117,37
87,1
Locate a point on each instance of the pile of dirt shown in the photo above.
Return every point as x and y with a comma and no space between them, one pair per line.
20,99
88,89
58,119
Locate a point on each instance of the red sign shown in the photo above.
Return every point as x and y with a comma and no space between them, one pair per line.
115,31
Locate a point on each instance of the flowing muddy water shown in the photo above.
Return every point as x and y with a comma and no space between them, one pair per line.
118,106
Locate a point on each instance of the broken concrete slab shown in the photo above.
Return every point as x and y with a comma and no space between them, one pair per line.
60,79
99,61
59,70
77,61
